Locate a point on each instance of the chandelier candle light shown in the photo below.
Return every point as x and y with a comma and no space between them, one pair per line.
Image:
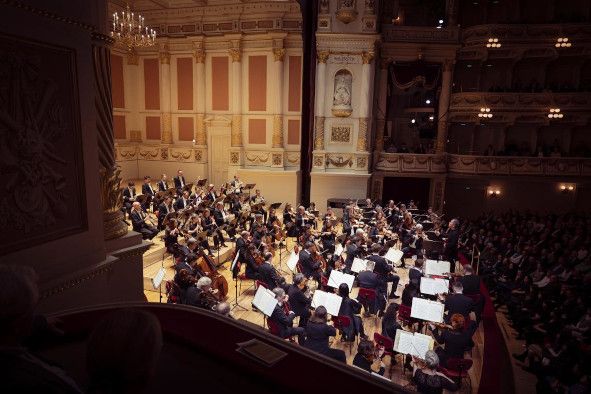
131,30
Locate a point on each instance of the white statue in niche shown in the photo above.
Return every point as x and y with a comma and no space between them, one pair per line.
341,102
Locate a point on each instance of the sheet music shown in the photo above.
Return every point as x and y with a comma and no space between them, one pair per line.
393,255
264,300
358,265
330,301
338,249
434,267
337,277
293,261
157,280
427,310
414,344
434,286
235,260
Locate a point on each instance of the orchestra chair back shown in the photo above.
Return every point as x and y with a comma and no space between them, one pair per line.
342,323
457,369
404,315
368,297
388,344
275,330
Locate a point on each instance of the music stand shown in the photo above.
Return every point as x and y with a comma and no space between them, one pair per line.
275,205
249,187
201,182
429,247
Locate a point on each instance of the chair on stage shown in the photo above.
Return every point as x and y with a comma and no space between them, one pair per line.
367,298
274,329
404,316
341,323
457,369
388,344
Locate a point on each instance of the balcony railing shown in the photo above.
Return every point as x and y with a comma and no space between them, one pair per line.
410,163
394,33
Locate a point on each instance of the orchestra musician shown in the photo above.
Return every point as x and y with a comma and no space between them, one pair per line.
237,184
453,342
209,225
171,235
310,267
289,221
206,298
138,220
366,356
241,250
427,378
351,308
164,209
457,302
183,201
318,333
285,320
385,272
163,183
211,194
257,201
301,220
129,195
179,182
147,190
298,301
353,250
267,272
369,280
328,237
221,218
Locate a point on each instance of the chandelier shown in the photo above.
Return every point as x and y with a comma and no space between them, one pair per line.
131,30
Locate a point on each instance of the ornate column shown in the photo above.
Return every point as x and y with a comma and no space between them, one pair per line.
200,133
444,98
236,55
278,54
364,99
322,57
132,99
166,122
109,173
382,104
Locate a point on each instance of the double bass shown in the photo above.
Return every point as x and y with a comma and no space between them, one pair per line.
218,282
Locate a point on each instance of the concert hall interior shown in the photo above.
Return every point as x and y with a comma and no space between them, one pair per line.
294,195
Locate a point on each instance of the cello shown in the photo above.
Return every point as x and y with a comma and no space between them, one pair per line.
218,282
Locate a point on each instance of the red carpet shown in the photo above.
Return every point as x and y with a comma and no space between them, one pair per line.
497,372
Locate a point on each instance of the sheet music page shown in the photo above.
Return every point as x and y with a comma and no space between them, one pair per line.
358,265
337,277
403,342
393,255
235,261
433,267
264,300
422,344
157,280
293,261
338,249
330,301
434,286
427,310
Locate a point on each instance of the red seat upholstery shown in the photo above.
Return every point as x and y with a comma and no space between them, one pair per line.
404,315
457,368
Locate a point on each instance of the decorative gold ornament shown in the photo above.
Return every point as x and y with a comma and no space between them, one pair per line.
166,128
362,137
112,200
235,54
319,133
367,57
279,54
342,113
200,132
236,130
164,58
132,57
199,56
277,131
322,56
340,133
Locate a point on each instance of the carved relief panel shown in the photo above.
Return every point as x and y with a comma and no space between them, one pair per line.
43,196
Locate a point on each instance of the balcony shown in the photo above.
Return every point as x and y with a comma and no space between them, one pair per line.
409,164
520,107
414,34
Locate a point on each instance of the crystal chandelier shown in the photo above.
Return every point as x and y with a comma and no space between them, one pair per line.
131,30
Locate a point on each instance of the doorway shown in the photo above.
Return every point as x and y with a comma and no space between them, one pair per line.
218,143
405,189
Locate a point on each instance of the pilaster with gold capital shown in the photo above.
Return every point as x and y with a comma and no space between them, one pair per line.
166,123
322,56
278,131
200,132
199,56
367,57
279,54
236,136
235,54
319,133
362,135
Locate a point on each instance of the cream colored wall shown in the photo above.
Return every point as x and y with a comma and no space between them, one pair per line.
335,185
276,186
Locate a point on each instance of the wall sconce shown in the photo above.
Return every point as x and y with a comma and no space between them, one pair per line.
555,113
493,192
566,188
562,42
493,42
485,113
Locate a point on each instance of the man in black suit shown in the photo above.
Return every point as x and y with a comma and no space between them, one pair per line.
310,268
211,194
164,209
285,321
182,202
148,190
219,215
242,251
471,283
452,237
163,184
299,303
458,303
179,182
129,195
384,271
416,273
267,273
369,280
138,221
353,250
300,220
